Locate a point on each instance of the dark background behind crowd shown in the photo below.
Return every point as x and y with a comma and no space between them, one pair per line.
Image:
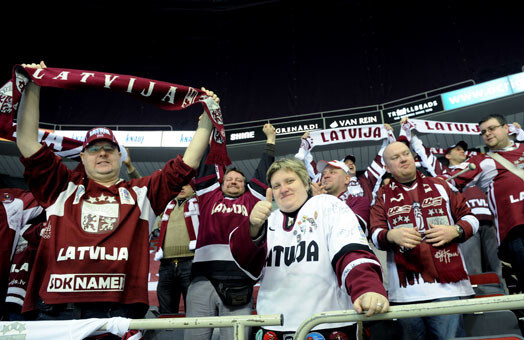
265,59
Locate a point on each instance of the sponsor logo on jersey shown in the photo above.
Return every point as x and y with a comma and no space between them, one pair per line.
286,256
477,202
403,209
60,283
99,218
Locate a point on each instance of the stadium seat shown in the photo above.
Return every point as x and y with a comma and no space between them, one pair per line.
491,323
486,285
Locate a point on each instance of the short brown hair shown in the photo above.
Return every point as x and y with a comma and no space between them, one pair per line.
290,164
235,170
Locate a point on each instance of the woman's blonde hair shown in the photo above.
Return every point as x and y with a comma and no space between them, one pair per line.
290,164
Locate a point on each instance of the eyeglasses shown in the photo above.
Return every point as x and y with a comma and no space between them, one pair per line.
490,129
97,147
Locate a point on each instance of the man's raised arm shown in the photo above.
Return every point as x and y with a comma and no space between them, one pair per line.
200,141
28,117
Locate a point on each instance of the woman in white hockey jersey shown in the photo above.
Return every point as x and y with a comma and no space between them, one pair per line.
310,255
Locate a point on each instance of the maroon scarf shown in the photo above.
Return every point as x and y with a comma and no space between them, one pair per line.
418,208
161,94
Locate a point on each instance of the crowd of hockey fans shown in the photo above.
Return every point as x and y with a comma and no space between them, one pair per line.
315,235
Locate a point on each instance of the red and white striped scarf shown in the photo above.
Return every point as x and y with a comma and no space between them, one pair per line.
160,94
418,208
191,213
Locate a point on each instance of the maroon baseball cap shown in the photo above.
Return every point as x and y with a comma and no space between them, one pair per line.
100,133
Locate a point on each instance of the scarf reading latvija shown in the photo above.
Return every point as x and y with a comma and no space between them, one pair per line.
163,95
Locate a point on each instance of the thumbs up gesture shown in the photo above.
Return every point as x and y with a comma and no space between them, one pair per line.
260,213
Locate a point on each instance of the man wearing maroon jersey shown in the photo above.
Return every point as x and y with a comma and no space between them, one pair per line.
419,220
218,285
17,208
92,260
500,173
480,251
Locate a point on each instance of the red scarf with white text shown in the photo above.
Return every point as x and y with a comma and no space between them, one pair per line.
417,208
160,94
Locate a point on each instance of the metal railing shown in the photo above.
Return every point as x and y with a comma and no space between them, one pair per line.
505,302
238,322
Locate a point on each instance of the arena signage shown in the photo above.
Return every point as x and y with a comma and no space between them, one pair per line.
477,93
298,127
517,82
255,134
237,136
353,120
414,109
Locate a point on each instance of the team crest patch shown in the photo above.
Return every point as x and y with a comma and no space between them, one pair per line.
438,220
99,218
45,233
6,97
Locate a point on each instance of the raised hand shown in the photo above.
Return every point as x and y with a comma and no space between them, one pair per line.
260,213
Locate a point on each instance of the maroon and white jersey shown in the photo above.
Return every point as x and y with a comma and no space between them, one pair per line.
95,245
16,209
314,261
22,263
426,201
360,207
504,189
219,215
475,198
478,203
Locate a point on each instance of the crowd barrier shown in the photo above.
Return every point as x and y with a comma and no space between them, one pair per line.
239,323
506,302
511,302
